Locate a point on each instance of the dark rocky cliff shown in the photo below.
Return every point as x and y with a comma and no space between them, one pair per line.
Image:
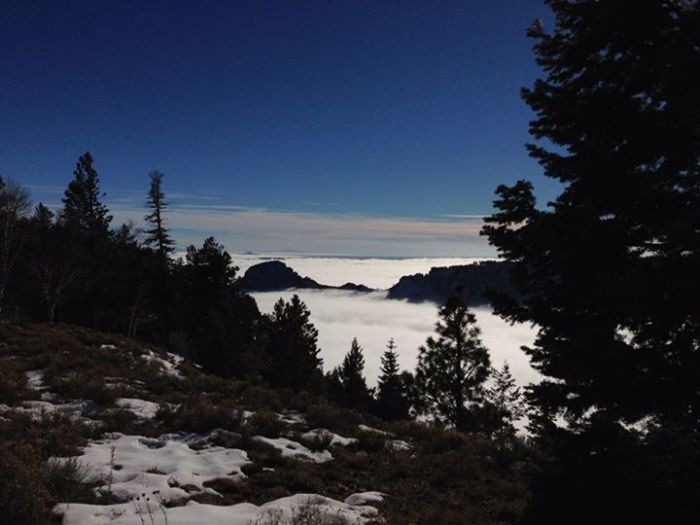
469,281
273,276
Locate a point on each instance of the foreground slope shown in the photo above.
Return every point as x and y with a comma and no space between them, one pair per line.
95,428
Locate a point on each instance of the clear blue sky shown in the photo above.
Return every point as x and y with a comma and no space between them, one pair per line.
369,109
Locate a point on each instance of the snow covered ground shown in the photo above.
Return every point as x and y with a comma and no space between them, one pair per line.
152,480
275,512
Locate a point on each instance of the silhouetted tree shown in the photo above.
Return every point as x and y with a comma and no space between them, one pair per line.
355,393
157,235
160,288
392,398
609,271
452,369
82,210
215,317
292,350
504,404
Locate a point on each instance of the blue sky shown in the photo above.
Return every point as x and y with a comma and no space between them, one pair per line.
369,126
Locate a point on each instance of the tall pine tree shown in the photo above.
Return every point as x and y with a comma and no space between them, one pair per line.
452,369
292,348
157,234
392,399
608,272
82,210
355,393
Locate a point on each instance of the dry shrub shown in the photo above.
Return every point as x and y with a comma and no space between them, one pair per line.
23,496
265,423
200,415
319,441
30,487
332,417
12,382
259,398
369,442
308,513
50,434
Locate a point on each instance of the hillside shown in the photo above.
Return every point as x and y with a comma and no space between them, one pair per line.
98,429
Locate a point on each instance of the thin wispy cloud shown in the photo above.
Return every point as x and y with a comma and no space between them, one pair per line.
194,216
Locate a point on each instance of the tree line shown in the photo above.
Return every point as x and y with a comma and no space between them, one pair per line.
73,266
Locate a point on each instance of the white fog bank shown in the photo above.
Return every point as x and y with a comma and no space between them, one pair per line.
339,316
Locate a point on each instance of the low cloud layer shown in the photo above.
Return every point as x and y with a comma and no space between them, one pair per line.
340,316
376,273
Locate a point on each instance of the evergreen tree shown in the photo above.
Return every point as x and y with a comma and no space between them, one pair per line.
334,386
505,403
82,210
292,349
160,288
452,369
354,387
392,398
43,217
157,235
206,311
609,271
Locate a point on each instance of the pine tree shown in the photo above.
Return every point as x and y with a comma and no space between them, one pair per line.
355,391
392,399
452,369
608,272
43,217
82,210
157,235
292,348
216,319
506,400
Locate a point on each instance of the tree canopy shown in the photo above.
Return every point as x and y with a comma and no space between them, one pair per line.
608,270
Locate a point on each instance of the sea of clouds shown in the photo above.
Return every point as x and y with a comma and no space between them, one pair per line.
373,319
376,273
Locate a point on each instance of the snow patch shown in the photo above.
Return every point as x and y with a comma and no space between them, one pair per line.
35,379
372,430
281,510
169,365
292,418
293,449
73,409
141,465
139,407
336,439
363,498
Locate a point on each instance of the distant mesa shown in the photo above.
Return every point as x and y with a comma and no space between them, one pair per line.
470,282
274,276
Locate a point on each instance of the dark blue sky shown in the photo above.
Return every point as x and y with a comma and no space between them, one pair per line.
391,108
